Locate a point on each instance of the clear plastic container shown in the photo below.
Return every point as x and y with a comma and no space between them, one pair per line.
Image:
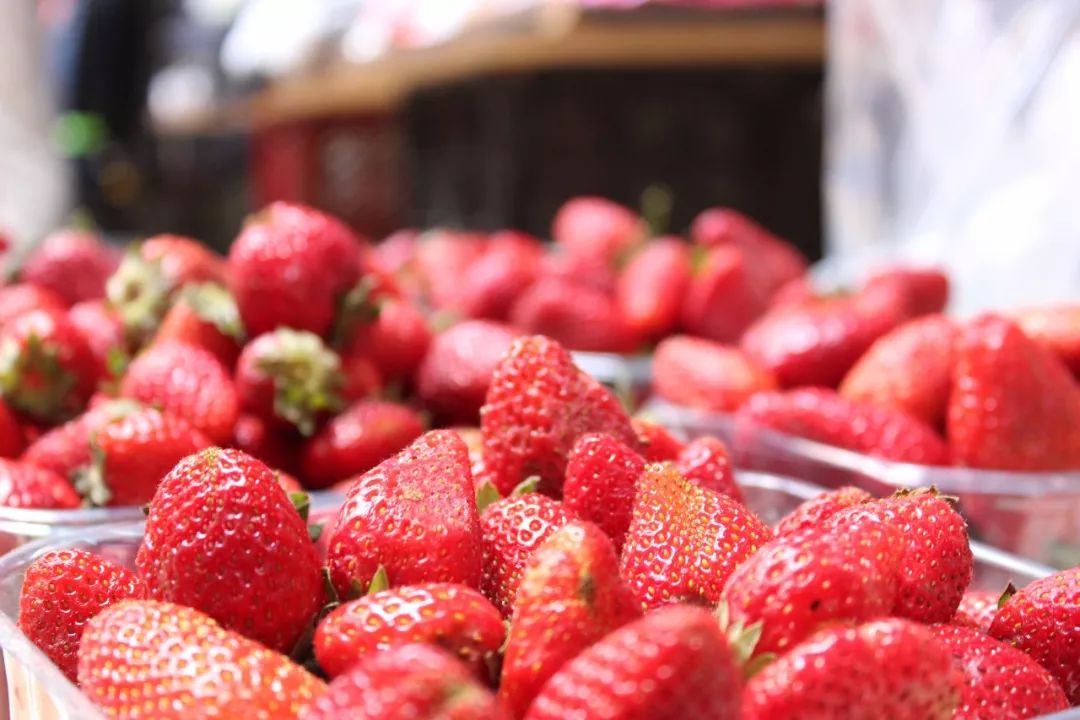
1036,515
36,690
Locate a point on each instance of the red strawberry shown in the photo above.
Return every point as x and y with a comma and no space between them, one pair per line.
442,259
651,287
184,261
396,339
579,317
454,617
511,529
539,403
20,298
223,537
66,448
102,330
186,381
395,252
288,377
601,482
909,369
1056,327
799,291
570,596
817,342
596,229
129,655
815,511
288,483
493,281
205,316
72,264
695,372
724,297
578,271
132,453
61,591
977,610
23,485
883,669
777,261
46,368
277,447
824,416
357,440
706,463
672,664
11,434
999,680
936,564
289,266
454,376
655,443
684,540
1014,406
415,515
822,575
362,377
923,291
1042,620
407,683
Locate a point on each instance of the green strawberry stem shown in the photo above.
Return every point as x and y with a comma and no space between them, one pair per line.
379,581
486,495
214,304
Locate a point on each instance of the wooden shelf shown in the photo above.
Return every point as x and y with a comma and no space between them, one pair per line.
558,37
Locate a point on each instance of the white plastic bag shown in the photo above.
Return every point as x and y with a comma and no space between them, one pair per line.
954,138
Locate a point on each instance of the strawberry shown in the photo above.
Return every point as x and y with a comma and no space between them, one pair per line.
395,252
11,434
65,448
816,511
131,651
205,316
596,229
407,683
276,446
1042,620
1014,406
909,369
579,317
706,463
289,377
884,669
224,538
695,372
539,403
1056,327
365,434
510,530
601,482
651,286
454,617
61,591
777,261
824,416
922,291
977,610
655,443
672,664
474,443
815,577
23,485
570,596
999,680
725,295
102,330
132,453
415,515
578,271
817,342
289,267
72,264
936,564
684,540
20,298
186,381
493,281
396,339
47,370
184,261
454,376
442,259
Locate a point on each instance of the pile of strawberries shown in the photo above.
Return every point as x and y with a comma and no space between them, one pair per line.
590,567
